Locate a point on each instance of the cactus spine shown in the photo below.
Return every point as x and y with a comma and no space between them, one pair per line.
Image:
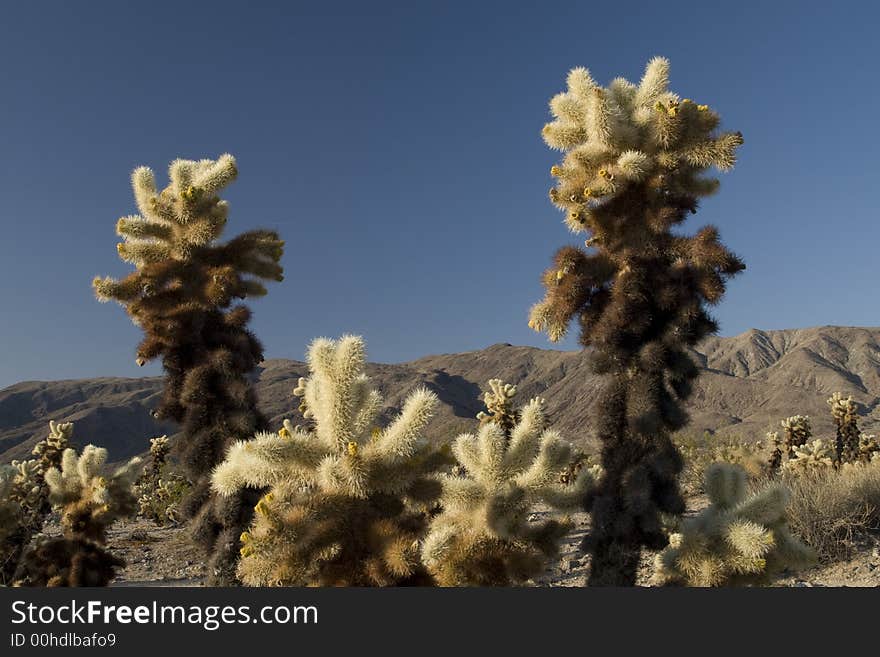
482,537
181,294
633,168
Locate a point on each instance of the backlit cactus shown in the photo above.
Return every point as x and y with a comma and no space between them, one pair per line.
29,492
815,455
159,489
89,501
182,294
740,539
482,537
347,500
797,432
634,165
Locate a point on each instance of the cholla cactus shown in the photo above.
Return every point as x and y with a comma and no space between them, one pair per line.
634,164
499,407
813,456
775,461
29,492
845,414
797,432
158,489
181,295
482,537
346,498
869,448
89,502
739,539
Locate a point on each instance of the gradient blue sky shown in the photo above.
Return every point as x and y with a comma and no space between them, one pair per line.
397,148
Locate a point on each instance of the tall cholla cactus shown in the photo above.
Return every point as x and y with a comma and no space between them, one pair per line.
346,498
797,432
180,295
89,502
30,494
482,537
739,539
634,167
846,419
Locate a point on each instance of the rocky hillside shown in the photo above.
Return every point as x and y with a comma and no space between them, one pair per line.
748,383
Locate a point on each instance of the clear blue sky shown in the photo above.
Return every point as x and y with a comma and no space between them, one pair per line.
397,148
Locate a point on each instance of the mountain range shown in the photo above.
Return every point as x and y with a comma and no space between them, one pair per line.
748,383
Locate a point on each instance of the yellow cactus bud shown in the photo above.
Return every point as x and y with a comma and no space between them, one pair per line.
246,551
375,432
559,274
245,537
588,193
673,110
574,215
262,508
555,171
283,432
702,108
352,448
269,497
660,107
686,100
607,175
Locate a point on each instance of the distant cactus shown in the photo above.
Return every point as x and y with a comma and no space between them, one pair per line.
869,448
775,461
182,294
11,514
482,536
797,432
740,539
845,414
810,457
159,489
634,165
89,503
347,499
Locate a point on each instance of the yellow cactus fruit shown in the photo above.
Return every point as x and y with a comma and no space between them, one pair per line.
352,448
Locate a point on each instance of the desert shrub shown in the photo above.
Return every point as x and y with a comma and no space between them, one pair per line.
347,501
702,450
482,536
160,488
182,293
832,508
634,165
89,502
740,539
